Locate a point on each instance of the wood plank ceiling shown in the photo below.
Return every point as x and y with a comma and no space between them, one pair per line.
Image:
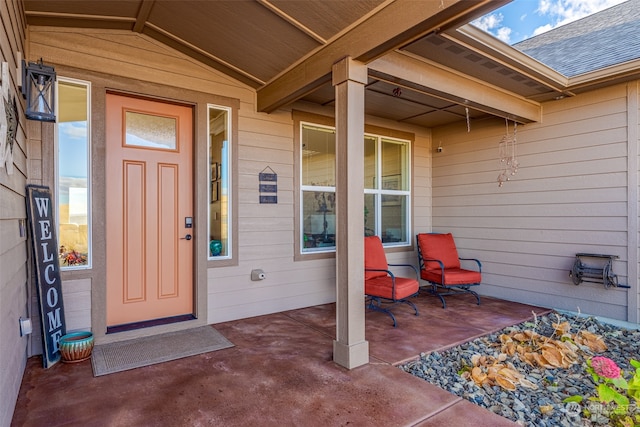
284,48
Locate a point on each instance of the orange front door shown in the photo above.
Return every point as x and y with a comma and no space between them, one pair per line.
149,195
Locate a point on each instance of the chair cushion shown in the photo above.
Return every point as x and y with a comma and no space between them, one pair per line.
440,247
382,287
374,257
452,276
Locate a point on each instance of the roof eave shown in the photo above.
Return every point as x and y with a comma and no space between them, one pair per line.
487,45
618,73
394,25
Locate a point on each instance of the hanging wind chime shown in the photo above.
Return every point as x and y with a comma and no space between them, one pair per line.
507,154
466,111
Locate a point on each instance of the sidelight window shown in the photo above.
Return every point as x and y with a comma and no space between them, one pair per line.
219,182
73,174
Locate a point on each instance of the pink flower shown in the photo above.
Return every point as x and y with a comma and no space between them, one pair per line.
605,367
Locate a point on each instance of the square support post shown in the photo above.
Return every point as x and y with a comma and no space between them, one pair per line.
350,348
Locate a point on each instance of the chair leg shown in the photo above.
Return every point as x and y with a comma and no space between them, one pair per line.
410,303
377,307
434,291
476,295
444,304
453,291
467,289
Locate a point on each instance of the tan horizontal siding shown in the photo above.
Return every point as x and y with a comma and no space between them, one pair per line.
633,92
130,55
569,196
265,232
14,298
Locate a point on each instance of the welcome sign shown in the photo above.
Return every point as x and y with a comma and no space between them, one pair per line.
45,250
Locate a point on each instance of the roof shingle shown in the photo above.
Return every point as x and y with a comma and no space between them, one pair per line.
603,39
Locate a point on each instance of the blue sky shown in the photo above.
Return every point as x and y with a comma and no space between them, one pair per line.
73,149
523,19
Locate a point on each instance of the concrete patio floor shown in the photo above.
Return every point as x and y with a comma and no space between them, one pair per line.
280,373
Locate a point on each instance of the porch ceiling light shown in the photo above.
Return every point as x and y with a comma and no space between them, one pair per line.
39,90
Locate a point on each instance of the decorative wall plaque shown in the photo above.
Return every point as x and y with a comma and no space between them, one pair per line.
268,186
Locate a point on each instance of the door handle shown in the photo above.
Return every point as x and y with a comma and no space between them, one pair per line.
187,237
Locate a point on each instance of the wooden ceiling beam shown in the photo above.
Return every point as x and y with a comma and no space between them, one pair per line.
393,26
143,15
308,31
55,19
436,80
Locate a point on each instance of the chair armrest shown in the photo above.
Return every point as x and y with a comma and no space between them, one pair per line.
407,265
423,262
433,260
386,271
473,259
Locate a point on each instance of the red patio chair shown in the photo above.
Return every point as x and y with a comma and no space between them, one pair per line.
440,266
381,286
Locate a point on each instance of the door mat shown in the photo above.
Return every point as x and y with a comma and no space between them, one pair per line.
139,352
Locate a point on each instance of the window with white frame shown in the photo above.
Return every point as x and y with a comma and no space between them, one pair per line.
387,193
73,180
219,182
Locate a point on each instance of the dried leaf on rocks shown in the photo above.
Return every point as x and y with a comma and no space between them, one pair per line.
505,383
546,409
535,350
562,328
593,341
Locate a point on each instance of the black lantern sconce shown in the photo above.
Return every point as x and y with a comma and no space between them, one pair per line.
38,87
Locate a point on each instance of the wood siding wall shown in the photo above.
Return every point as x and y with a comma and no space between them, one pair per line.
13,247
633,220
266,232
571,195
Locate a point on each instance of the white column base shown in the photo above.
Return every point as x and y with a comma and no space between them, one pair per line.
351,356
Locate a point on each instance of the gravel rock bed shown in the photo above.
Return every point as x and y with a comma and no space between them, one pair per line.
553,385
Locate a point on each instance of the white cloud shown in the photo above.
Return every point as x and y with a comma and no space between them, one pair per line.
537,16
504,34
560,12
489,22
74,129
543,7
493,24
542,29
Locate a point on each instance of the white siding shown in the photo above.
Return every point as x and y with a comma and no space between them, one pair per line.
77,304
569,196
